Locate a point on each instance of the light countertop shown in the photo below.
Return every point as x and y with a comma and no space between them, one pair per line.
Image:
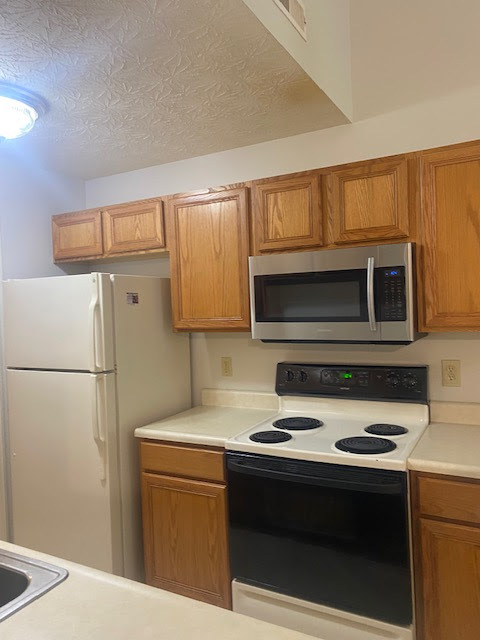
222,415
451,449
92,605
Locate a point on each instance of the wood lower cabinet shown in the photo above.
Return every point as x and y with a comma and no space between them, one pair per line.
133,227
286,213
446,531
449,298
77,235
185,522
208,240
370,201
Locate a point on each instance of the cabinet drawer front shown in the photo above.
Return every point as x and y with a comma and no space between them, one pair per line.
183,461
449,499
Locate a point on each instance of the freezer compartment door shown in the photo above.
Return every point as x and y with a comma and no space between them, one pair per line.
59,323
65,496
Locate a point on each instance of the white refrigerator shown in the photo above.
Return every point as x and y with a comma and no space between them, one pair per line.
89,358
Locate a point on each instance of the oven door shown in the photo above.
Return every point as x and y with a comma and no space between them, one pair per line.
327,534
315,296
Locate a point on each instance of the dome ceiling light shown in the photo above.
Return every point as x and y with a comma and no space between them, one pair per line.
19,110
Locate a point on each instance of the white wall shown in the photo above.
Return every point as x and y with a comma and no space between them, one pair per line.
446,121
29,195
254,362
325,55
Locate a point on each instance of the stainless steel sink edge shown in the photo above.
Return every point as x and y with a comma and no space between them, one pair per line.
42,577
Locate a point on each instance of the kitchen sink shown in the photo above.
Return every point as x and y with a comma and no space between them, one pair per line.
23,580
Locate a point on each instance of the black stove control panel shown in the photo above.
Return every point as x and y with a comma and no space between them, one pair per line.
399,384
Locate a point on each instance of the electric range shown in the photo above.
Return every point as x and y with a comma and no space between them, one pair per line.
318,502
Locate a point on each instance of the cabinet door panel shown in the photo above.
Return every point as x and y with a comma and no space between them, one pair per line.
450,581
137,226
287,213
451,239
369,202
209,268
77,235
185,535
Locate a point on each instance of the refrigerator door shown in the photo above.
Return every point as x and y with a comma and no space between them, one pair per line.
153,382
59,323
64,471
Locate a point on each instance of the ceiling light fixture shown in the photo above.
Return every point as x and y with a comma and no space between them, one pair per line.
19,110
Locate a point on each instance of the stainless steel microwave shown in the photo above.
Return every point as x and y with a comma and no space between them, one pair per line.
365,294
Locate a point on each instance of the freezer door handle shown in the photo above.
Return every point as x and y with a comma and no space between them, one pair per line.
95,335
99,420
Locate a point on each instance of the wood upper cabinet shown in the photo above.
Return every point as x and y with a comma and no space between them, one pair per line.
447,557
369,201
185,527
286,213
449,298
208,240
136,226
77,235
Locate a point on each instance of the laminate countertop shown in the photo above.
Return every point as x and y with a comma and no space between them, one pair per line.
222,415
448,449
92,605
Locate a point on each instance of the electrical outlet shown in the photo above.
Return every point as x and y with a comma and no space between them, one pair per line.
227,369
451,373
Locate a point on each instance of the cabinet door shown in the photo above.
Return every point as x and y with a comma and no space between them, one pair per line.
185,538
137,226
286,213
449,589
451,239
369,202
77,235
209,261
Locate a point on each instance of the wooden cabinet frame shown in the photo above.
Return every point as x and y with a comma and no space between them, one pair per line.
428,530
185,520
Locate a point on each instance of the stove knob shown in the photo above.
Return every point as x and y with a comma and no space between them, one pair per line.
410,381
393,380
303,376
327,377
289,375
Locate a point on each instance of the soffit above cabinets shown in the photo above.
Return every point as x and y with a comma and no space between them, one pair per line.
134,83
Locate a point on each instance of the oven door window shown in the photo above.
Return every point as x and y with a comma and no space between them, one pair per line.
325,296
322,541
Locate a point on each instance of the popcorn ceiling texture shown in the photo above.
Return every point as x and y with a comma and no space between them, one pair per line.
134,83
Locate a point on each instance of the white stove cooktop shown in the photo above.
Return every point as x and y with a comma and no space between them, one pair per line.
341,419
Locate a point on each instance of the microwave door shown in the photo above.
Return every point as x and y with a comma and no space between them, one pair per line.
327,306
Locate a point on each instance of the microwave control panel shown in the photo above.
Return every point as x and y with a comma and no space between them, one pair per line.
367,382
393,302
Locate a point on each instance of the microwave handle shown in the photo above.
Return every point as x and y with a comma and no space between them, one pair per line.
371,293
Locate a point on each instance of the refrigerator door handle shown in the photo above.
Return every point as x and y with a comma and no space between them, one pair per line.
99,420
95,335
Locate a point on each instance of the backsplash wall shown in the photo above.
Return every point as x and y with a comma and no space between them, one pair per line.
254,362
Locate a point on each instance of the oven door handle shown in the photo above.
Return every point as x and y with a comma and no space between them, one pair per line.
394,487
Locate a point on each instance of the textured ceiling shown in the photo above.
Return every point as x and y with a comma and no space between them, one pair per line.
133,83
